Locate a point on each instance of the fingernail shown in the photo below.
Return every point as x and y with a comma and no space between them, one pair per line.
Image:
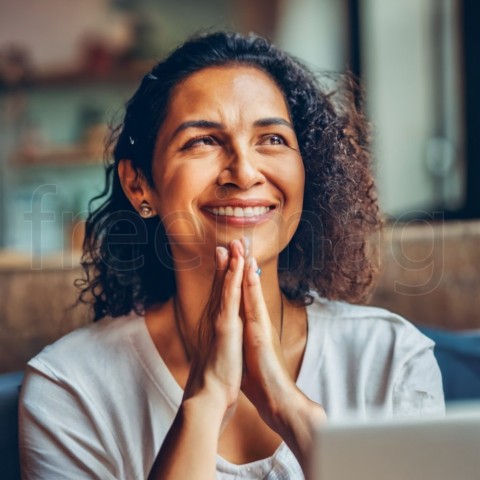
239,245
222,254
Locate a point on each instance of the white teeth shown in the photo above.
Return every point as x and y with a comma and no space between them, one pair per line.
239,211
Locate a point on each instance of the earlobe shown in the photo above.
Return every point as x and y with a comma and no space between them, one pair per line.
135,187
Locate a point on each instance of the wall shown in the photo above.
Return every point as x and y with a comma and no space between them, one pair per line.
411,78
39,25
315,30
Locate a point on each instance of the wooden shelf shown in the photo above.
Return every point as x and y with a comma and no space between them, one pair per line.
129,73
12,260
61,156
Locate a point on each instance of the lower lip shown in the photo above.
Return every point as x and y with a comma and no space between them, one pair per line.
242,221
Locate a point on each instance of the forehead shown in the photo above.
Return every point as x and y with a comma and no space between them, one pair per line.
240,90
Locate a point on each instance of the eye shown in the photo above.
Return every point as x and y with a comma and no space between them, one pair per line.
204,140
273,139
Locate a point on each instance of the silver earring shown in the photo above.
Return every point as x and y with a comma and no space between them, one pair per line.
145,210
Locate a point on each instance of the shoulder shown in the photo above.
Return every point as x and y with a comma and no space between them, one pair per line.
89,349
88,369
79,401
381,356
358,326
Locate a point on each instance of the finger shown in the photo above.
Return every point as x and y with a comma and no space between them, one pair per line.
246,242
218,299
221,257
204,328
254,302
228,325
221,260
233,280
237,247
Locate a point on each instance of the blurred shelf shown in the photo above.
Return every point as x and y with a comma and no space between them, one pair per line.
12,260
130,73
58,157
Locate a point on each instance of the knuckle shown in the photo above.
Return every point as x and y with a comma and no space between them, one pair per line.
226,327
252,314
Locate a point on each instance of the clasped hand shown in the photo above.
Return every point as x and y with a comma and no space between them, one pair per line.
239,347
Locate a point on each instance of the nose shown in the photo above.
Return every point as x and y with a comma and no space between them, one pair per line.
241,170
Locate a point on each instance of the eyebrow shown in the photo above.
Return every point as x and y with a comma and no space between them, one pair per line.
206,124
266,122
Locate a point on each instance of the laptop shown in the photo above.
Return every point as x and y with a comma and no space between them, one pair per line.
422,449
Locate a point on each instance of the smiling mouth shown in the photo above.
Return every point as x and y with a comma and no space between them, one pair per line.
239,212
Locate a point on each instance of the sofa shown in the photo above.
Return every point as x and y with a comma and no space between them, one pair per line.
430,275
9,458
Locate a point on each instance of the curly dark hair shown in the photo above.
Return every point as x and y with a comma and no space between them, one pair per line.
127,259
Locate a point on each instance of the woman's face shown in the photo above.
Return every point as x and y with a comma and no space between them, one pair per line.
227,165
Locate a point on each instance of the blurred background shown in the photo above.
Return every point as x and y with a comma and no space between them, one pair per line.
67,68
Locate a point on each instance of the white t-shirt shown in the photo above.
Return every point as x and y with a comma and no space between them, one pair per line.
99,402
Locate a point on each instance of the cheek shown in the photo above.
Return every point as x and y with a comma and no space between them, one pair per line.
292,178
294,186
299,178
178,191
177,187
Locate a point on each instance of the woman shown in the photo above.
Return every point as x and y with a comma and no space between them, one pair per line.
230,294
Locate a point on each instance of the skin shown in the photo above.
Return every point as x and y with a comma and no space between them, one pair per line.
240,398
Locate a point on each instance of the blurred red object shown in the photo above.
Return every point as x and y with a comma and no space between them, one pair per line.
98,57
15,66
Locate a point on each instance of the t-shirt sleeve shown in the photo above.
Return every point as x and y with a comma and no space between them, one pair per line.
418,389
50,447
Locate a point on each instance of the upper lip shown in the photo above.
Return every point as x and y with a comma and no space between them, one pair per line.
242,203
